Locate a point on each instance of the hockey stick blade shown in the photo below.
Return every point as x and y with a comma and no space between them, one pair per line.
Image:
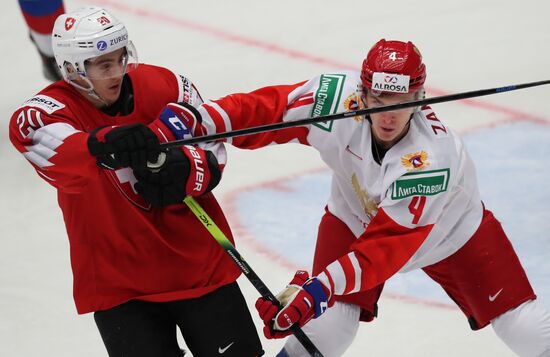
254,279
359,112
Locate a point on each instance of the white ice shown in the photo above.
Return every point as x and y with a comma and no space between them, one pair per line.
236,46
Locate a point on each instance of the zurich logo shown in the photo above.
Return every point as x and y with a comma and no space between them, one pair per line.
102,45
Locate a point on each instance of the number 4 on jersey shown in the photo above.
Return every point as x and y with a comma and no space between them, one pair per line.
416,207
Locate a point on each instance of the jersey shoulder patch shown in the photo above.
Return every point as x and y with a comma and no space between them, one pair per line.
43,102
329,96
187,92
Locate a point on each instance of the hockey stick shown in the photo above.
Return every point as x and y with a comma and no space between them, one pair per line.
365,111
229,248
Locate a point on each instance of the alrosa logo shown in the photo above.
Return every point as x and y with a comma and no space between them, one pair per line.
390,82
389,87
390,79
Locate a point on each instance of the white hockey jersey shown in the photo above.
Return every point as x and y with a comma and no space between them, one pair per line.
417,207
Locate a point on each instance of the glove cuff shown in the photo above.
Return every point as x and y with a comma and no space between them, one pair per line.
177,122
320,294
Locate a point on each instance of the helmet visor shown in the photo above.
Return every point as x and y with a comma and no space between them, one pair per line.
112,65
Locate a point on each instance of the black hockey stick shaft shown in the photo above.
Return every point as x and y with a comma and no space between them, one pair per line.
230,249
359,112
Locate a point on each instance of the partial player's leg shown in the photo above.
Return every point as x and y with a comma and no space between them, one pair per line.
332,333
138,329
487,281
40,16
525,329
218,323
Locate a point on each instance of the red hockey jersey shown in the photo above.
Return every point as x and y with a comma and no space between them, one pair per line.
121,248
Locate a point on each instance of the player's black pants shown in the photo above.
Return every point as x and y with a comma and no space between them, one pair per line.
217,324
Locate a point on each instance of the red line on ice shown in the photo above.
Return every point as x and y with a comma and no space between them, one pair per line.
288,52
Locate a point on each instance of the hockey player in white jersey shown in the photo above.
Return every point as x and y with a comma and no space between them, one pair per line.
404,196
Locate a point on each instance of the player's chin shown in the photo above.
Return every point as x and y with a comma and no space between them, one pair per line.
111,94
386,134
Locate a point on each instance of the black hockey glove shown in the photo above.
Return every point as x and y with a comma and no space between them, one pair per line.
185,171
122,146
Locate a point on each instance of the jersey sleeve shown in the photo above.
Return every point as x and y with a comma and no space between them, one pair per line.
380,252
268,105
52,144
186,91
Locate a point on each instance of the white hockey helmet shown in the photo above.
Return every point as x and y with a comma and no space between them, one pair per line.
84,34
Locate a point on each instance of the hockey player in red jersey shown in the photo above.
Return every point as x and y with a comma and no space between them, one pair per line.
142,263
403,196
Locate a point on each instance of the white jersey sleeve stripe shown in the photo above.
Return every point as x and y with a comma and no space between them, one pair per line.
358,272
338,277
45,176
52,135
224,117
45,140
325,278
36,159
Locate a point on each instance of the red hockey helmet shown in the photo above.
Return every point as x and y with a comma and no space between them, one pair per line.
393,57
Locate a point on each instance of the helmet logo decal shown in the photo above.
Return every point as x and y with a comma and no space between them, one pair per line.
103,20
388,82
102,45
118,39
69,22
390,79
393,56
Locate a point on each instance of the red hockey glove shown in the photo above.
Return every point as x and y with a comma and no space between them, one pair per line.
303,299
185,171
177,121
121,146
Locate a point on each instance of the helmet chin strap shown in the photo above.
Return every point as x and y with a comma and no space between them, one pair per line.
90,91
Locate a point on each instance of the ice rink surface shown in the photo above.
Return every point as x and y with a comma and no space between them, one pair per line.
237,46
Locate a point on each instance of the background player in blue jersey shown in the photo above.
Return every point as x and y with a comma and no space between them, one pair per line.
40,16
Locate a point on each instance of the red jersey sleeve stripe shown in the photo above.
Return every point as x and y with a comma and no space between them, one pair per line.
349,272
306,99
326,279
338,275
221,121
358,273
